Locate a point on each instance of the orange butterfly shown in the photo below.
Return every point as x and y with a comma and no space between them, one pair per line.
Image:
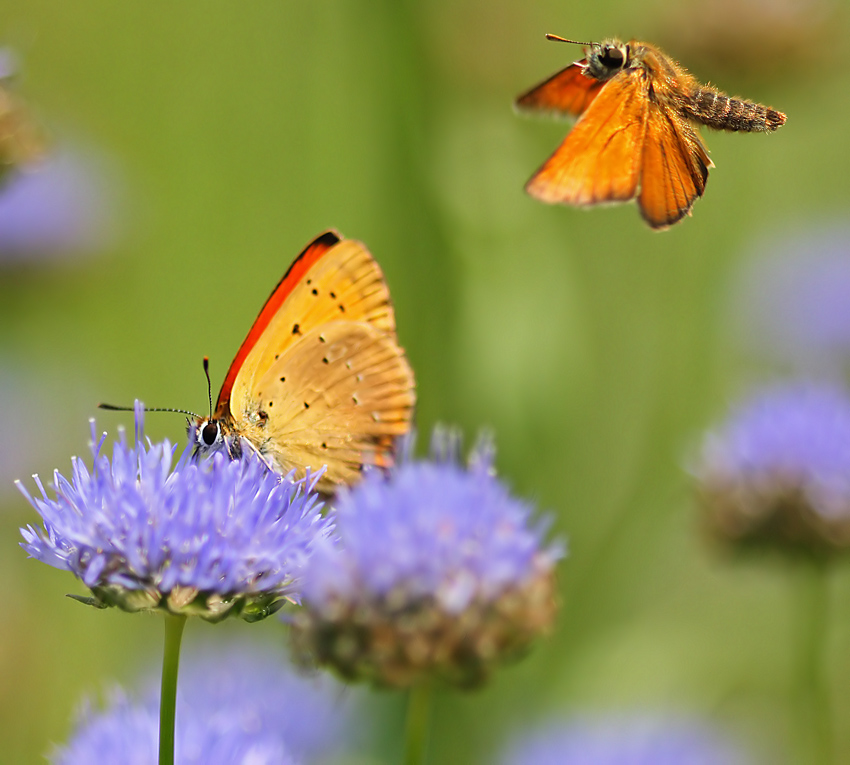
635,136
320,379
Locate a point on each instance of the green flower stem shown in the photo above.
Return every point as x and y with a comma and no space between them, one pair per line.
168,694
814,713
416,727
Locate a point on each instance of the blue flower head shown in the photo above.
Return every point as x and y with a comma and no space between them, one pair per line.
439,572
213,538
623,740
778,471
240,705
66,206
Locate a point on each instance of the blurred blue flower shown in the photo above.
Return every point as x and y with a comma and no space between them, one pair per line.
61,206
239,705
778,470
439,572
623,740
212,538
791,302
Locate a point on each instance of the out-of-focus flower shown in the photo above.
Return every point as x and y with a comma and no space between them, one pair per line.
623,740
214,538
777,472
750,38
791,302
440,573
61,207
235,706
21,140
53,202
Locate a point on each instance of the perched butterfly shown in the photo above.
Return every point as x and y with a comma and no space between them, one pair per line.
635,136
320,379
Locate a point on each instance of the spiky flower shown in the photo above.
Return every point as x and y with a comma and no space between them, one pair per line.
214,538
440,573
619,739
242,704
778,471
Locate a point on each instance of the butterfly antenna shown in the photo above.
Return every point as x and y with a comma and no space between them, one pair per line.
209,383
113,408
556,38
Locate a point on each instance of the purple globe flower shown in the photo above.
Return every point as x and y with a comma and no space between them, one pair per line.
239,705
213,538
778,471
623,740
439,572
63,206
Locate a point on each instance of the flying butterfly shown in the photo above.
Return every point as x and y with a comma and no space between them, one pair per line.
320,378
636,134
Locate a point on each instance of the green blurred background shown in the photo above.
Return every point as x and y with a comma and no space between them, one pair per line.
593,348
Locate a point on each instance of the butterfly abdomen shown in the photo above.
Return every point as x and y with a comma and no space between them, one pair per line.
719,111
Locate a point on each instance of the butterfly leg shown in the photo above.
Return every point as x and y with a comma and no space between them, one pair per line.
242,442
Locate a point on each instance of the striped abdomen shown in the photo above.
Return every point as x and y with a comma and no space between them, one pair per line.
720,112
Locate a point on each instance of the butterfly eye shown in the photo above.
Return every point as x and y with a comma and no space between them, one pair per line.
209,433
612,58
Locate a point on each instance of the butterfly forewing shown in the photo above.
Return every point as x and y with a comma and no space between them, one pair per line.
565,92
338,396
343,284
599,160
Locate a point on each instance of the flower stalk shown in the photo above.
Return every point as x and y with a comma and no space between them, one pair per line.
174,625
417,723
813,692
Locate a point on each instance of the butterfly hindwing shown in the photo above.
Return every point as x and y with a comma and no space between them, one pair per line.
674,169
338,396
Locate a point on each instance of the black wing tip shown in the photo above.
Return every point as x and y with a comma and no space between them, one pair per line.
329,238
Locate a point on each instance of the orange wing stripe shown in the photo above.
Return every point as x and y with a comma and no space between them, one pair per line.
312,253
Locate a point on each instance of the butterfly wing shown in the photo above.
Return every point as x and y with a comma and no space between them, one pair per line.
599,160
565,92
338,396
674,169
332,300
331,280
